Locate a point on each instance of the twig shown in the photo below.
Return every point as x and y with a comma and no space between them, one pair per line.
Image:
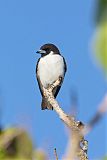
68,120
55,152
102,109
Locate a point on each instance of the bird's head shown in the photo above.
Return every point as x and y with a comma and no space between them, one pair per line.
48,49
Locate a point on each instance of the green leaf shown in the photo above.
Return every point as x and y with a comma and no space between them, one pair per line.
100,46
101,14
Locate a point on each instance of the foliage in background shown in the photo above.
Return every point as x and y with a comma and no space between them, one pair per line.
105,158
101,11
100,40
15,144
100,37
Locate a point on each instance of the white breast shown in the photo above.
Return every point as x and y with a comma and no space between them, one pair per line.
50,67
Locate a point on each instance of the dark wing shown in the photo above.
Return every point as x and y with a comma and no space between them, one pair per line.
56,90
65,66
38,79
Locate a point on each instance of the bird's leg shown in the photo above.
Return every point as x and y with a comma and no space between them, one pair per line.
55,84
50,87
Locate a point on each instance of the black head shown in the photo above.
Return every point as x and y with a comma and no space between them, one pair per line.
47,49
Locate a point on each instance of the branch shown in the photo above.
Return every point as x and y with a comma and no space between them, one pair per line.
102,109
70,121
55,152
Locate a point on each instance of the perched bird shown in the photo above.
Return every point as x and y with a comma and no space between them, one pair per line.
49,68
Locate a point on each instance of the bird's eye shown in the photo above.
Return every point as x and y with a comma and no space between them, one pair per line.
47,50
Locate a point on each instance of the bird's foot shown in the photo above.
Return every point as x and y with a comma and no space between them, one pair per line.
51,87
56,83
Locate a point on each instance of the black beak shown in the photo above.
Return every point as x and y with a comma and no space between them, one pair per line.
37,52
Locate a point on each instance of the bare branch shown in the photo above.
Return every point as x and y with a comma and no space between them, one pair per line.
55,152
102,109
68,120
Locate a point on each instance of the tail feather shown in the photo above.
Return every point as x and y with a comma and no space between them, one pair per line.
45,104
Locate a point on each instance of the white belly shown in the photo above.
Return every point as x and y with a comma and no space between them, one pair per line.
50,67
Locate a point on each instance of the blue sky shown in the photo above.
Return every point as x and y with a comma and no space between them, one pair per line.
24,27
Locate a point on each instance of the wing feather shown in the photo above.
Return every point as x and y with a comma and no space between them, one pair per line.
38,79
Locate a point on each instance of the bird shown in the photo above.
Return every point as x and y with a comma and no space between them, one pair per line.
50,66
